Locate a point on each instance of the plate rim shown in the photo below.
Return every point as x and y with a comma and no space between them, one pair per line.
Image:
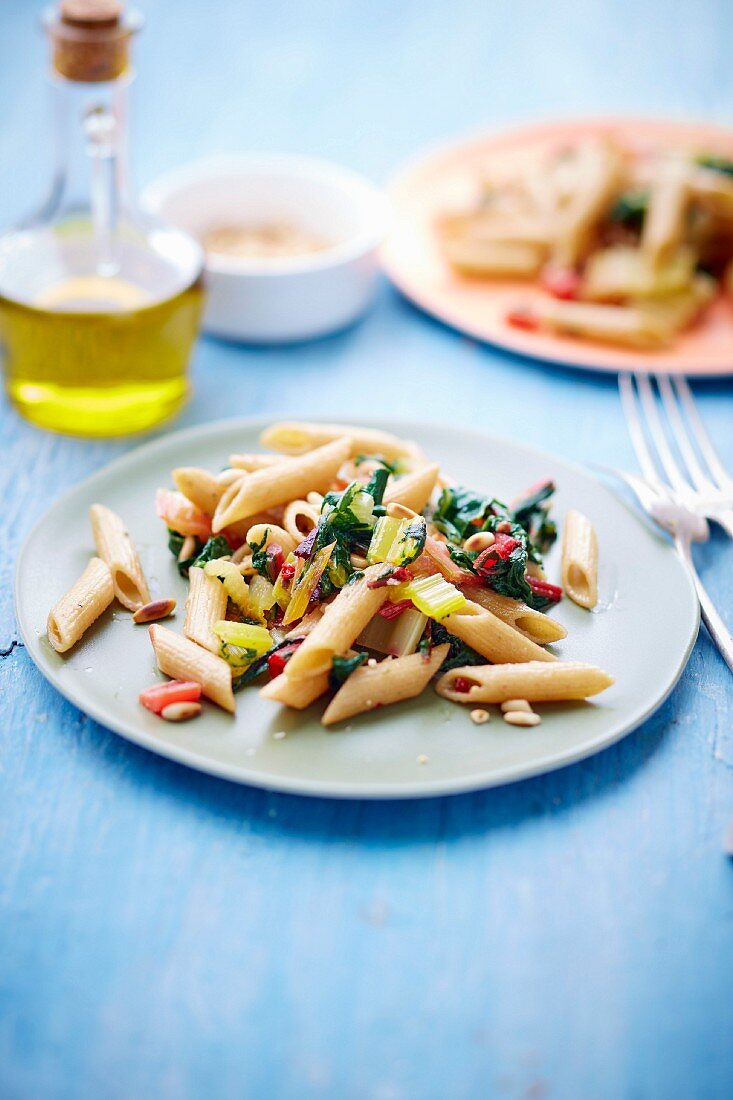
423,788
508,341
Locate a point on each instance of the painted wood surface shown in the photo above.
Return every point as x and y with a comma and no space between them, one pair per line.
166,934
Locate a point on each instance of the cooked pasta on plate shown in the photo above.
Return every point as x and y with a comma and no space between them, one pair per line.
630,245
344,566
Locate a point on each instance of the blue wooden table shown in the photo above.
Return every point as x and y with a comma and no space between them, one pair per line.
164,934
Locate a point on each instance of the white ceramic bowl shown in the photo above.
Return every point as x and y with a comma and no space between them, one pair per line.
284,299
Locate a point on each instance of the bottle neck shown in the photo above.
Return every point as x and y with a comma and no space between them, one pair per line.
90,145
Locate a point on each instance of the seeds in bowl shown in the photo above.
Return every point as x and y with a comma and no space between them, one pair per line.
266,241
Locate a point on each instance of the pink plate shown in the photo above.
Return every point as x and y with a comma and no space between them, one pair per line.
478,308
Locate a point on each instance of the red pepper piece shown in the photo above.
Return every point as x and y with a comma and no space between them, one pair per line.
275,559
391,576
462,685
523,318
561,282
549,591
393,610
504,545
287,572
485,563
277,661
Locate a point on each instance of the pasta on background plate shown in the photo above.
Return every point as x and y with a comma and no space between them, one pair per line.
346,566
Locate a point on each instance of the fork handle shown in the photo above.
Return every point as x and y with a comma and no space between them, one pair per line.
716,627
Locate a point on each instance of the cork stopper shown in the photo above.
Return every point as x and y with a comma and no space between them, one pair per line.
90,39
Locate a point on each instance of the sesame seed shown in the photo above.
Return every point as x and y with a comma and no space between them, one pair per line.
479,716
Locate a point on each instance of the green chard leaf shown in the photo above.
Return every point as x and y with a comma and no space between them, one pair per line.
216,547
175,545
342,667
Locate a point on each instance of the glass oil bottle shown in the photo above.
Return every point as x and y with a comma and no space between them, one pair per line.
99,304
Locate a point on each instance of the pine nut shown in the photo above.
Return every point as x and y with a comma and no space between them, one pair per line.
180,712
515,705
522,718
358,561
482,540
400,511
479,716
156,609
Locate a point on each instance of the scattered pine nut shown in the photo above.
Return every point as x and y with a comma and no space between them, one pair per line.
372,662
422,758
515,705
156,609
358,561
400,511
479,716
279,735
482,540
522,718
180,712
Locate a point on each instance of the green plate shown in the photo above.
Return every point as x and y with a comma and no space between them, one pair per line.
640,635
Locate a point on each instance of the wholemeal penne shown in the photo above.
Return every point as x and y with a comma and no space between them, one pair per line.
580,560
535,681
205,606
414,489
289,480
296,693
599,173
663,230
202,487
533,624
342,623
252,462
115,547
182,659
299,437
492,638
267,534
78,608
299,519
389,681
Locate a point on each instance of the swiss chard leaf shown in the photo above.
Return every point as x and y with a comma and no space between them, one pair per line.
630,209
342,667
258,667
716,164
460,511
531,514
260,561
458,654
175,545
377,484
216,547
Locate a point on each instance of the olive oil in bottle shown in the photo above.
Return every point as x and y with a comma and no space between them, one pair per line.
99,304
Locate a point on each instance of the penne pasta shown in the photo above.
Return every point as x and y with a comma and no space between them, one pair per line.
533,624
536,682
78,608
206,605
599,174
390,681
580,560
289,480
182,659
201,487
663,230
251,462
342,623
115,547
299,437
299,519
493,638
414,489
296,693
272,534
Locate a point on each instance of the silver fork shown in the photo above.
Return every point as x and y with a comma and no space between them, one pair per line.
707,492
677,507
